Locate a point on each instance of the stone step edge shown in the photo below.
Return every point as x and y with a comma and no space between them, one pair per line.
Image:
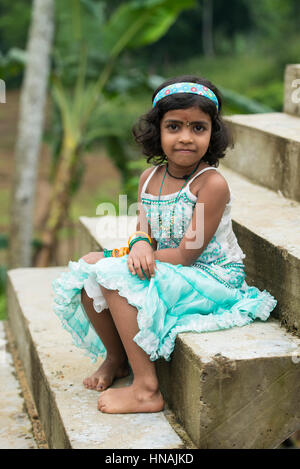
52,420
263,123
266,150
25,346
17,429
37,429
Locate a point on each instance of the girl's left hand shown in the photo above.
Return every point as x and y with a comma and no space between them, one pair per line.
141,260
93,257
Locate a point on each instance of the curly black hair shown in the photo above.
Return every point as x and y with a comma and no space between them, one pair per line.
147,130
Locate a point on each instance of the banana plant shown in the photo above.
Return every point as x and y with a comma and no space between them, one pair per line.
134,24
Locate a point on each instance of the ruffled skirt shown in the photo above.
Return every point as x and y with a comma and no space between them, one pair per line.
177,299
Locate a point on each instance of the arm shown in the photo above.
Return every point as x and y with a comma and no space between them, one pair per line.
142,222
214,194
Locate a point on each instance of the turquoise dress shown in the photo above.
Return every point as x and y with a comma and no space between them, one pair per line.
209,295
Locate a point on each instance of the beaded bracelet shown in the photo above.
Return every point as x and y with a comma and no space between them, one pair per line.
116,252
125,250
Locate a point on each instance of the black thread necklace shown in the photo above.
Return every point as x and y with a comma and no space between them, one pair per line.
186,176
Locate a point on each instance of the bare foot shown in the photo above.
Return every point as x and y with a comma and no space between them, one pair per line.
107,372
130,399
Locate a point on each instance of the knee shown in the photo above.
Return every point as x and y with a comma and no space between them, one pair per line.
104,290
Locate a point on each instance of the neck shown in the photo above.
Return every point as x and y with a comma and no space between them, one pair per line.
179,172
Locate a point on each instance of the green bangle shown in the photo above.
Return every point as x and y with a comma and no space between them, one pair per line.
138,239
107,253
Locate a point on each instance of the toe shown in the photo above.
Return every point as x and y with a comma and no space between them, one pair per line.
94,383
102,385
86,383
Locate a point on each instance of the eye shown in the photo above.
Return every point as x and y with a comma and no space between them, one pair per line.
199,128
172,126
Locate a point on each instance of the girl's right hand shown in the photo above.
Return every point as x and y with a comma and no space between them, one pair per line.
141,256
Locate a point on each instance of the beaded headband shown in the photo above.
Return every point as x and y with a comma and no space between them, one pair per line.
186,88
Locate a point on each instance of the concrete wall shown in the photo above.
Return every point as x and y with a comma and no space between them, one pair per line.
292,90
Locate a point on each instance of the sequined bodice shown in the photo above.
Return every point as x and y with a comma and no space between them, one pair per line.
222,248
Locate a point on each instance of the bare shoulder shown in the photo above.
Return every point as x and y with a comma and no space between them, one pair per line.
145,174
142,180
215,184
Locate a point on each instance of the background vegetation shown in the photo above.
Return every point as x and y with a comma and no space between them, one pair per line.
242,46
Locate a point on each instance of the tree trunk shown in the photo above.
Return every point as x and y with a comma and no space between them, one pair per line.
31,120
59,204
207,28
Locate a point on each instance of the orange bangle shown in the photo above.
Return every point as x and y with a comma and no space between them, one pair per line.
120,252
115,252
123,251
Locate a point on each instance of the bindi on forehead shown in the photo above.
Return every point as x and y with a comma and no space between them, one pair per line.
187,123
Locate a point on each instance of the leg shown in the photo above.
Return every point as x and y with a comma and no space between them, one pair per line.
116,364
144,394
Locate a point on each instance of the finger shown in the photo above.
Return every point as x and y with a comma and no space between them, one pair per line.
145,269
139,271
151,266
131,266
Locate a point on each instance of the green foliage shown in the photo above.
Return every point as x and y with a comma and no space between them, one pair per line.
139,23
14,23
3,241
87,42
3,277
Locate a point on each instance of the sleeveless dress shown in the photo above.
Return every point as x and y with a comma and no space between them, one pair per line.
209,295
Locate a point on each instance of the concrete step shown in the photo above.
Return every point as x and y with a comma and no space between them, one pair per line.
15,426
236,388
267,150
267,226
55,369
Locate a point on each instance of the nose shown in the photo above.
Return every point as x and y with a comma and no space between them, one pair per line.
185,135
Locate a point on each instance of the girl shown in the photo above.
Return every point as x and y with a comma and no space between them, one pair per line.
183,268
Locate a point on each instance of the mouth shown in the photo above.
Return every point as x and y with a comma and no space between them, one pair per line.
184,150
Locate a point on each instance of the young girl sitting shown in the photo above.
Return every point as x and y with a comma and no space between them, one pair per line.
183,268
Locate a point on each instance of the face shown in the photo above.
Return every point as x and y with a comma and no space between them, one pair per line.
185,136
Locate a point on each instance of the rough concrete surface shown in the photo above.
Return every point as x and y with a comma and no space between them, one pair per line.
267,150
55,369
292,89
237,388
15,426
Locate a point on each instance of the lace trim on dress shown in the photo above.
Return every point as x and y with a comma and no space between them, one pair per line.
238,309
